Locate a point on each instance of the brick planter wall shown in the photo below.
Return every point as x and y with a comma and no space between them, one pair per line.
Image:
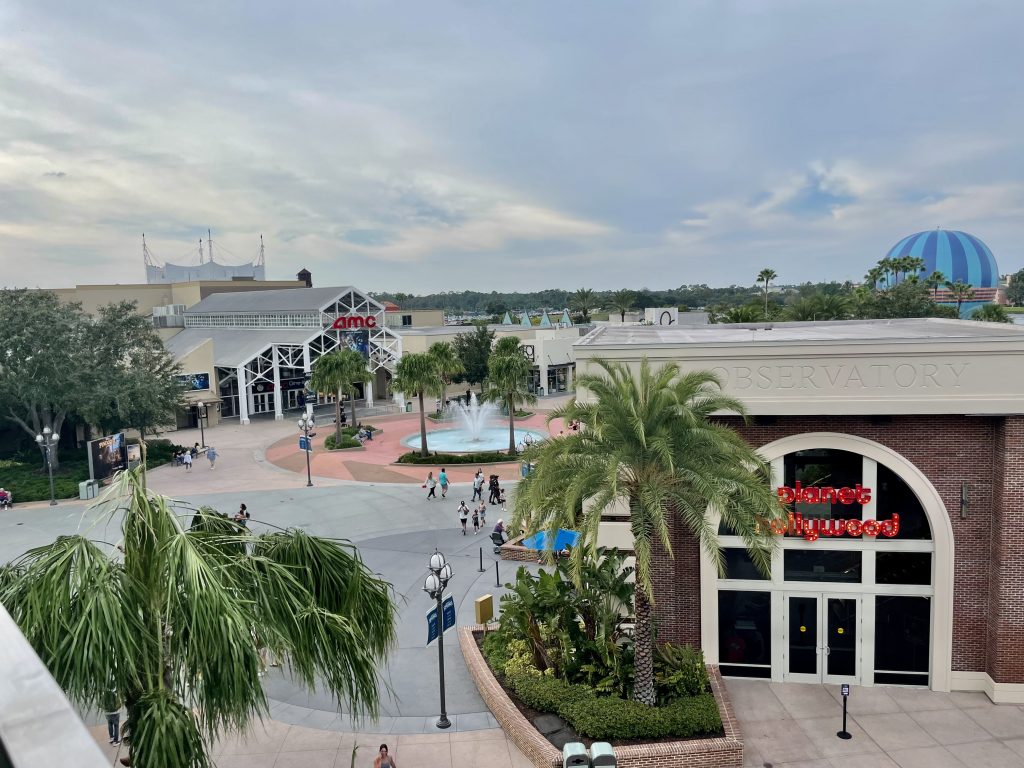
721,752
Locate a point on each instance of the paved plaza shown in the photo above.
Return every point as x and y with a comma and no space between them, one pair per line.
784,726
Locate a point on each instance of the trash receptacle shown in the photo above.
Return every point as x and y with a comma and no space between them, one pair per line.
602,754
87,489
408,407
575,754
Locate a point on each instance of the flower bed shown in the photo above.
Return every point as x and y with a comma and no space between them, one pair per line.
725,751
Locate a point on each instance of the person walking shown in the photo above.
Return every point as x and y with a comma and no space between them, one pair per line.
478,485
442,478
464,516
187,461
482,511
476,522
493,488
112,709
431,486
211,454
384,760
501,499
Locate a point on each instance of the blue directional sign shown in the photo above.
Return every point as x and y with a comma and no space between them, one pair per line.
447,618
304,444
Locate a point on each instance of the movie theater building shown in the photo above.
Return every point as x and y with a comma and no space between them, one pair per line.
898,448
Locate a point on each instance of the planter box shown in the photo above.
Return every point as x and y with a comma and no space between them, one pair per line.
720,752
513,550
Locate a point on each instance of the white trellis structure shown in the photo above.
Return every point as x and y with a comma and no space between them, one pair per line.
261,352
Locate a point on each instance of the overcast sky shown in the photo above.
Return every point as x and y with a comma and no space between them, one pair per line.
424,146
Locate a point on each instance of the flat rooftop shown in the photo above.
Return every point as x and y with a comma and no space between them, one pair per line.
837,331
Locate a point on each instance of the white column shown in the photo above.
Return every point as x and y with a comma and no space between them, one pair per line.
278,399
243,396
569,386
368,393
306,366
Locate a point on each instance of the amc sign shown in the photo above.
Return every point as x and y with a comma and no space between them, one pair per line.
347,322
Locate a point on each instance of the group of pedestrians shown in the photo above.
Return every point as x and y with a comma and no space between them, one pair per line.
186,457
479,516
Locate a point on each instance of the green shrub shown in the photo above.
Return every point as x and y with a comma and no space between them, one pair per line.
679,671
159,452
353,431
550,694
496,649
26,477
443,459
613,718
692,716
347,441
520,660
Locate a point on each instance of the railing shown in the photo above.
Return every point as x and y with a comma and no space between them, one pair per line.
38,726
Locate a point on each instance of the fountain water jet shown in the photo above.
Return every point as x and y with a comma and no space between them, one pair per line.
480,429
473,416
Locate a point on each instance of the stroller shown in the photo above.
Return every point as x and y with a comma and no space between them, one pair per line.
6,499
497,539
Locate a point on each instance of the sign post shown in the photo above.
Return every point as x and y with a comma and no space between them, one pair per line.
844,689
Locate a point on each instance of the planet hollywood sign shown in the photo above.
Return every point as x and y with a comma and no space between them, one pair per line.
811,529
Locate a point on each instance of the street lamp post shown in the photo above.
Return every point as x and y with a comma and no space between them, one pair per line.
437,580
200,415
304,425
48,441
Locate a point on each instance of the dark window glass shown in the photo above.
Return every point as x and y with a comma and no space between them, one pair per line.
893,495
803,635
841,625
738,565
822,565
896,678
731,670
903,568
744,627
826,471
406,319
902,633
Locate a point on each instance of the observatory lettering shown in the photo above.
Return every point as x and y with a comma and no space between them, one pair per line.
844,376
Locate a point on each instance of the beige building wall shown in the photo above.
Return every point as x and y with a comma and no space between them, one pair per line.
200,360
421,318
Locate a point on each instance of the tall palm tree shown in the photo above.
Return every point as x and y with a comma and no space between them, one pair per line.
418,374
583,301
339,371
650,441
449,363
961,292
623,302
174,627
508,373
765,276
934,281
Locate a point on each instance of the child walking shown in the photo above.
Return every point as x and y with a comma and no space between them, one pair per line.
464,516
476,522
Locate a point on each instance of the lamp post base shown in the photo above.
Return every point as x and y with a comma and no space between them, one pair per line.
53,502
444,722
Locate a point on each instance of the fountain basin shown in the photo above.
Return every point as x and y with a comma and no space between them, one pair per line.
461,441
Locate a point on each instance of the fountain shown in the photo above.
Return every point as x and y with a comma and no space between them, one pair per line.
480,428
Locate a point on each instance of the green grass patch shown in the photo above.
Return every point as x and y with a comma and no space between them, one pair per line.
1015,310
26,477
347,441
485,457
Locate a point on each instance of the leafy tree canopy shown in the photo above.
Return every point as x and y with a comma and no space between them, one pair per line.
473,350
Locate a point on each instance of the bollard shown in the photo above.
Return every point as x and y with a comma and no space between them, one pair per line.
844,689
481,560
497,579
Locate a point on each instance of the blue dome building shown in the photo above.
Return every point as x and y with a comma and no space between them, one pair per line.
957,255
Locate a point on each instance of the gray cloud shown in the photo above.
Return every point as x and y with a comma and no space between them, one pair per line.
541,145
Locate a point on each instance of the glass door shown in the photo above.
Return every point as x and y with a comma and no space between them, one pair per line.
823,638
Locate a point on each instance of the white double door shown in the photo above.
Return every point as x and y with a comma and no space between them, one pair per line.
822,637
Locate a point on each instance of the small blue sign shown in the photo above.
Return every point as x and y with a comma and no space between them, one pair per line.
447,618
304,444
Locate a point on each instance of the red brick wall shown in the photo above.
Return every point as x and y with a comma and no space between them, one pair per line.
948,450
1006,590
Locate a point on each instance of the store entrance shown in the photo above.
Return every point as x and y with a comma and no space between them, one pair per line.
822,637
262,402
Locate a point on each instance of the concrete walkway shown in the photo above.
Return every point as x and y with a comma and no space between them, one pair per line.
789,725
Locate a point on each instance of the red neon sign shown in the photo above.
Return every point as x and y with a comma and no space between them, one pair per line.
811,529
824,494
354,321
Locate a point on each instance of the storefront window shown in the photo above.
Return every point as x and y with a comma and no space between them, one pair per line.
824,468
893,495
836,566
902,634
745,633
738,564
903,568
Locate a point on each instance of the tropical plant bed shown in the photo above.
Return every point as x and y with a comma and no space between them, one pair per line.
347,443
444,459
516,719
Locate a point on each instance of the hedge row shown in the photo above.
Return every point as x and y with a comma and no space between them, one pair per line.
347,441
444,459
611,718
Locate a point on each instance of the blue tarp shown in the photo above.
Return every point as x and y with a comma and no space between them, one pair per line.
563,539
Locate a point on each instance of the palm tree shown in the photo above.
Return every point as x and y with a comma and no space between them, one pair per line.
934,281
961,292
449,363
748,313
339,371
418,374
765,276
583,301
623,301
991,313
650,441
508,372
175,626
